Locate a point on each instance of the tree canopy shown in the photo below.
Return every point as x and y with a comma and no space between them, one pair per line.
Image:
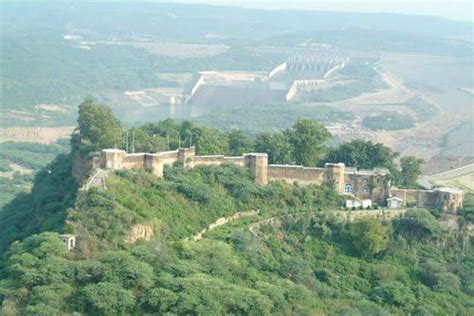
307,139
362,154
98,127
410,171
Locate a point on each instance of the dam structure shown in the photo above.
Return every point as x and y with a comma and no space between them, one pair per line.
353,183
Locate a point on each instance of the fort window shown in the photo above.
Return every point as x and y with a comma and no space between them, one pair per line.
348,188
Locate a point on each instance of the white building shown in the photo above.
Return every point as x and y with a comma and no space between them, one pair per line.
69,241
358,203
394,202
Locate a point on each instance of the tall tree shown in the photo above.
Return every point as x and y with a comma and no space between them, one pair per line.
363,154
369,236
276,146
410,171
145,142
208,141
239,142
98,126
307,138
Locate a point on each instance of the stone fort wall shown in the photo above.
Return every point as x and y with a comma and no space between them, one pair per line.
446,199
300,174
361,184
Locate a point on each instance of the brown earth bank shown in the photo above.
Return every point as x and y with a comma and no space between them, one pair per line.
43,135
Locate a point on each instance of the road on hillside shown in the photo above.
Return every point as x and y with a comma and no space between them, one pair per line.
427,180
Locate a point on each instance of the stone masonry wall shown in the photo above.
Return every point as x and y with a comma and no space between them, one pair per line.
300,174
448,200
217,160
420,198
374,187
133,161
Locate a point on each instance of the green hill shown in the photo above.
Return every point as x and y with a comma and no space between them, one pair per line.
135,254
305,264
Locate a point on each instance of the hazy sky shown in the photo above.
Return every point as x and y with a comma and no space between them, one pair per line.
452,9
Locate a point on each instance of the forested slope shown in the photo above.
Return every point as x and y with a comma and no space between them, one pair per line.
308,262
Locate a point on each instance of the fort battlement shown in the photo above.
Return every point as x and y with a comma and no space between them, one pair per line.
373,184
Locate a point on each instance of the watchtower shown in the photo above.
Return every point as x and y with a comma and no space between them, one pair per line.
112,158
257,163
186,155
334,175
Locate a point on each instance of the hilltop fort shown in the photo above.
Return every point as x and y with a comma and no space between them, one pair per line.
362,185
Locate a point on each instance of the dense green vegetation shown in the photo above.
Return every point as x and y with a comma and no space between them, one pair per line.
268,117
26,159
410,171
388,121
468,208
98,128
44,207
305,261
367,155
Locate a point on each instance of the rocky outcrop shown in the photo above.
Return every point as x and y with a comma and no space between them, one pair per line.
97,180
139,232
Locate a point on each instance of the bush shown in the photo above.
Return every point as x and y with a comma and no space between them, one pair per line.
394,293
369,236
418,224
108,299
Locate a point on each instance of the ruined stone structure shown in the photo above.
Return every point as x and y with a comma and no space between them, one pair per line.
362,184
448,199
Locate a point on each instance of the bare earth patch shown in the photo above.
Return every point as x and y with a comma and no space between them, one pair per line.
52,108
43,135
434,81
15,168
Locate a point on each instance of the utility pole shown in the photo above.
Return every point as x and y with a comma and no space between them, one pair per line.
126,143
179,141
191,141
133,142
168,141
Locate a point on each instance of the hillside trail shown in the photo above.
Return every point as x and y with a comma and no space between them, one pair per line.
255,227
222,221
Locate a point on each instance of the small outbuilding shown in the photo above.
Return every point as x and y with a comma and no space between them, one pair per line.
69,240
394,202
